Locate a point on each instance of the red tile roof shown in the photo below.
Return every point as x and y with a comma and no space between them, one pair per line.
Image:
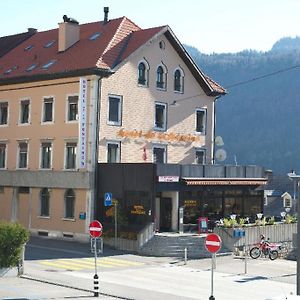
118,39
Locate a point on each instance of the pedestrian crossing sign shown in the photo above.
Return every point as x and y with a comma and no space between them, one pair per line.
108,199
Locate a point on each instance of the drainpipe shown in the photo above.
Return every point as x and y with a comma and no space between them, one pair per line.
214,129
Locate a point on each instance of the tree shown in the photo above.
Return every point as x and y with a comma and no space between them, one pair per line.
12,238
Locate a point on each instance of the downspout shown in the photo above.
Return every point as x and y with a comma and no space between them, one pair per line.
214,129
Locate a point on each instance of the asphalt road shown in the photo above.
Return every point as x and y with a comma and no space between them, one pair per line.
67,268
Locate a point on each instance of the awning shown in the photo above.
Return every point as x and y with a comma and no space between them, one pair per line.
226,181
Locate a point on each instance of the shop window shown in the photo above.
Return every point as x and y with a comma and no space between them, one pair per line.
200,156
201,121
115,110
2,156
71,149
3,113
113,152
160,116
178,81
48,110
24,111
69,204
159,154
46,153
72,108
44,202
23,155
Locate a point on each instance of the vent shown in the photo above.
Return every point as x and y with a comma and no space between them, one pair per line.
68,235
43,233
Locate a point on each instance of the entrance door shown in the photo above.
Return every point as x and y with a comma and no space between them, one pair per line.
165,214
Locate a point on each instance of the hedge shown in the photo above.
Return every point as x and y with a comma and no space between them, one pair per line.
12,238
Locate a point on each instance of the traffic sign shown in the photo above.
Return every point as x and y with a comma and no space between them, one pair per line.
213,243
95,229
108,199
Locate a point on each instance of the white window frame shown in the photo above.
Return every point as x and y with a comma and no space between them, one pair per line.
46,99
66,155
159,146
204,110
68,108
181,80
118,158
5,155
21,112
7,116
147,68
19,154
119,121
203,150
164,127
285,199
41,154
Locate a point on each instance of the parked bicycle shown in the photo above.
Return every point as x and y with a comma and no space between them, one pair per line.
265,248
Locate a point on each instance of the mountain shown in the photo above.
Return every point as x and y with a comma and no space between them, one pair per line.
259,117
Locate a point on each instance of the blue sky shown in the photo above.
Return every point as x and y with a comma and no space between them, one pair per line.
209,25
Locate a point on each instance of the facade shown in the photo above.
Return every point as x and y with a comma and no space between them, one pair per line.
111,93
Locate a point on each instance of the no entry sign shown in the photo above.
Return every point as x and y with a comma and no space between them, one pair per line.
213,243
95,229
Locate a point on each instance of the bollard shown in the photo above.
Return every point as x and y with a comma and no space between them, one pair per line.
96,286
185,255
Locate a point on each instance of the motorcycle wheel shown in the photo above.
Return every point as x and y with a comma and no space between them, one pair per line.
273,254
255,252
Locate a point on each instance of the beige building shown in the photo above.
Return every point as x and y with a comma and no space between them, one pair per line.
133,94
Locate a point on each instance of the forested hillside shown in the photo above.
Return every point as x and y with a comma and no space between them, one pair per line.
259,118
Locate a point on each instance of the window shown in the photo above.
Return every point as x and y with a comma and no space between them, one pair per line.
160,78
69,204
159,154
48,110
24,190
44,202
142,74
72,108
23,155
160,116
113,152
200,156
178,81
287,201
114,110
49,64
24,112
46,152
94,36
3,113
201,120
71,149
2,156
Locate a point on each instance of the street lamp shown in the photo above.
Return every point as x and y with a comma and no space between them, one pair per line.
283,214
296,179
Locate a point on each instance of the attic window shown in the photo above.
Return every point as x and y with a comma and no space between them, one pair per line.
94,36
49,44
32,67
8,71
28,48
49,64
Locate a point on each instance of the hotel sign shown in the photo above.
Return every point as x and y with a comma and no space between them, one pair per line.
82,123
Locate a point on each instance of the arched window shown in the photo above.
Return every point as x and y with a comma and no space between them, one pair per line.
178,81
69,204
160,78
44,202
142,74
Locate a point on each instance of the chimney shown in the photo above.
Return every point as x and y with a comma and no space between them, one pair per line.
106,10
68,33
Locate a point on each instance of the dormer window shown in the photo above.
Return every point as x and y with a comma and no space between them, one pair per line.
161,78
178,81
94,36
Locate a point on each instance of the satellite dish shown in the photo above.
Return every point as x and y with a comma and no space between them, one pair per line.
221,155
219,141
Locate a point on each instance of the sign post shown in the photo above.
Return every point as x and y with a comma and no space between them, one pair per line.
95,229
213,244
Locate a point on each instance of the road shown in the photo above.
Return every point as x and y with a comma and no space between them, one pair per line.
128,276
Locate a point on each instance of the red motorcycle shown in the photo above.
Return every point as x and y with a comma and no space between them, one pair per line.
265,248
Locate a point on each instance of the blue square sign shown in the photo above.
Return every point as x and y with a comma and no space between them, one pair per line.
108,199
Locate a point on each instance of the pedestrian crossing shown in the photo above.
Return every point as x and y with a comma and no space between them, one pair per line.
77,264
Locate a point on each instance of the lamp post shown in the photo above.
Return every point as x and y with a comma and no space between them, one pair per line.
296,179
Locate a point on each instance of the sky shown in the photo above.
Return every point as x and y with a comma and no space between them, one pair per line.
212,26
